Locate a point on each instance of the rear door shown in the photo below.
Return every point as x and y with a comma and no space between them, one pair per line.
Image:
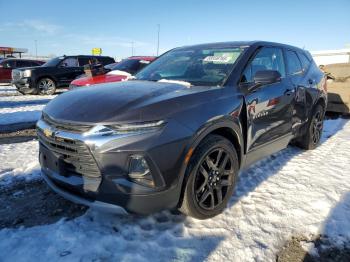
295,73
269,107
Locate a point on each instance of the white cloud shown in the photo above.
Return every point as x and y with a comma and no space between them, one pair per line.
30,24
110,41
42,26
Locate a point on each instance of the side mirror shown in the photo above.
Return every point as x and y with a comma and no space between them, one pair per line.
265,77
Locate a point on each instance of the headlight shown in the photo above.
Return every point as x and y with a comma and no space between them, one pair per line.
127,128
27,73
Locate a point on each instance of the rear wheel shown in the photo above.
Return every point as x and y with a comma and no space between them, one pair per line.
313,134
211,179
46,86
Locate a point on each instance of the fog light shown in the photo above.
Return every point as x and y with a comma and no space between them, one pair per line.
139,170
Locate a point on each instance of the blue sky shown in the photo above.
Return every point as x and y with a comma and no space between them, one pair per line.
74,27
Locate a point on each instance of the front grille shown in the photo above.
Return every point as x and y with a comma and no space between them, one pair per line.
16,75
76,128
75,155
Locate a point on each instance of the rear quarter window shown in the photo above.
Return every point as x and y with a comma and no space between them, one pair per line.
305,62
293,63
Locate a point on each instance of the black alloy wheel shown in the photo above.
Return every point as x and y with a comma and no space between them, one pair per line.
317,127
214,176
210,178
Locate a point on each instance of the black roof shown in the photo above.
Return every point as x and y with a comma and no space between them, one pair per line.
240,44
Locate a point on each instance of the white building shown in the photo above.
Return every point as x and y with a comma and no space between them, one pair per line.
331,56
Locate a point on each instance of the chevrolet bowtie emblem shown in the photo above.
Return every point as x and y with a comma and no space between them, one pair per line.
48,132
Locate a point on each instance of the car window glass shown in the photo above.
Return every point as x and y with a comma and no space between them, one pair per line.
9,64
70,62
84,61
305,62
105,60
22,63
268,58
293,63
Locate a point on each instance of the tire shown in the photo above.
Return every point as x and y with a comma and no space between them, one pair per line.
46,86
27,90
211,178
313,133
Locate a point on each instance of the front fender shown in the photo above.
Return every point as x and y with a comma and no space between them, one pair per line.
230,122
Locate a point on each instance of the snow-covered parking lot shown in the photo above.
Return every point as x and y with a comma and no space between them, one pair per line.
16,108
293,193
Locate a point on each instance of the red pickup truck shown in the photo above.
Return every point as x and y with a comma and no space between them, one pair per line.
116,72
6,66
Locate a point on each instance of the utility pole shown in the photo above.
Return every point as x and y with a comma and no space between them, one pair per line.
36,48
158,39
132,48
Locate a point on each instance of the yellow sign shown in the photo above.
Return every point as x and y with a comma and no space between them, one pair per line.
97,51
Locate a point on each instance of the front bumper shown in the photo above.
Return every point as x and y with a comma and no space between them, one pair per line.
111,186
22,82
98,205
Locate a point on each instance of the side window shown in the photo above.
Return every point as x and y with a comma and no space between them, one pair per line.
9,64
70,62
268,58
23,63
293,63
105,60
36,63
305,62
84,61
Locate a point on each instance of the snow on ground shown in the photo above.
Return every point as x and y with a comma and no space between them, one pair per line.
19,161
16,108
292,192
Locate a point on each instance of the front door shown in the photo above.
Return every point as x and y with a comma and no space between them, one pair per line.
269,107
68,70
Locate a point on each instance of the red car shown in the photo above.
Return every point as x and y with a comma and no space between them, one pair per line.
7,64
118,71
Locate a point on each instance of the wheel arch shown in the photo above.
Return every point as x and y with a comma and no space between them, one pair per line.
228,127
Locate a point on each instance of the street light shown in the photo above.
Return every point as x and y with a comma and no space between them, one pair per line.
132,48
36,48
158,39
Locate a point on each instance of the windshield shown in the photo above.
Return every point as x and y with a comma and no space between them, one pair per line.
130,66
197,66
53,62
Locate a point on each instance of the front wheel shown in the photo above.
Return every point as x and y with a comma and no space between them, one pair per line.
46,86
313,134
211,179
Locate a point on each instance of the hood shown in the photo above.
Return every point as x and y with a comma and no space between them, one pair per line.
93,80
127,101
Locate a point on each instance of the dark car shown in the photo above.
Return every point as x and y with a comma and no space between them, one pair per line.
178,135
56,73
8,64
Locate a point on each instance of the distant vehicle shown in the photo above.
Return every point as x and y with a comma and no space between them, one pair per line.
177,135
117,71
7,64
56,73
